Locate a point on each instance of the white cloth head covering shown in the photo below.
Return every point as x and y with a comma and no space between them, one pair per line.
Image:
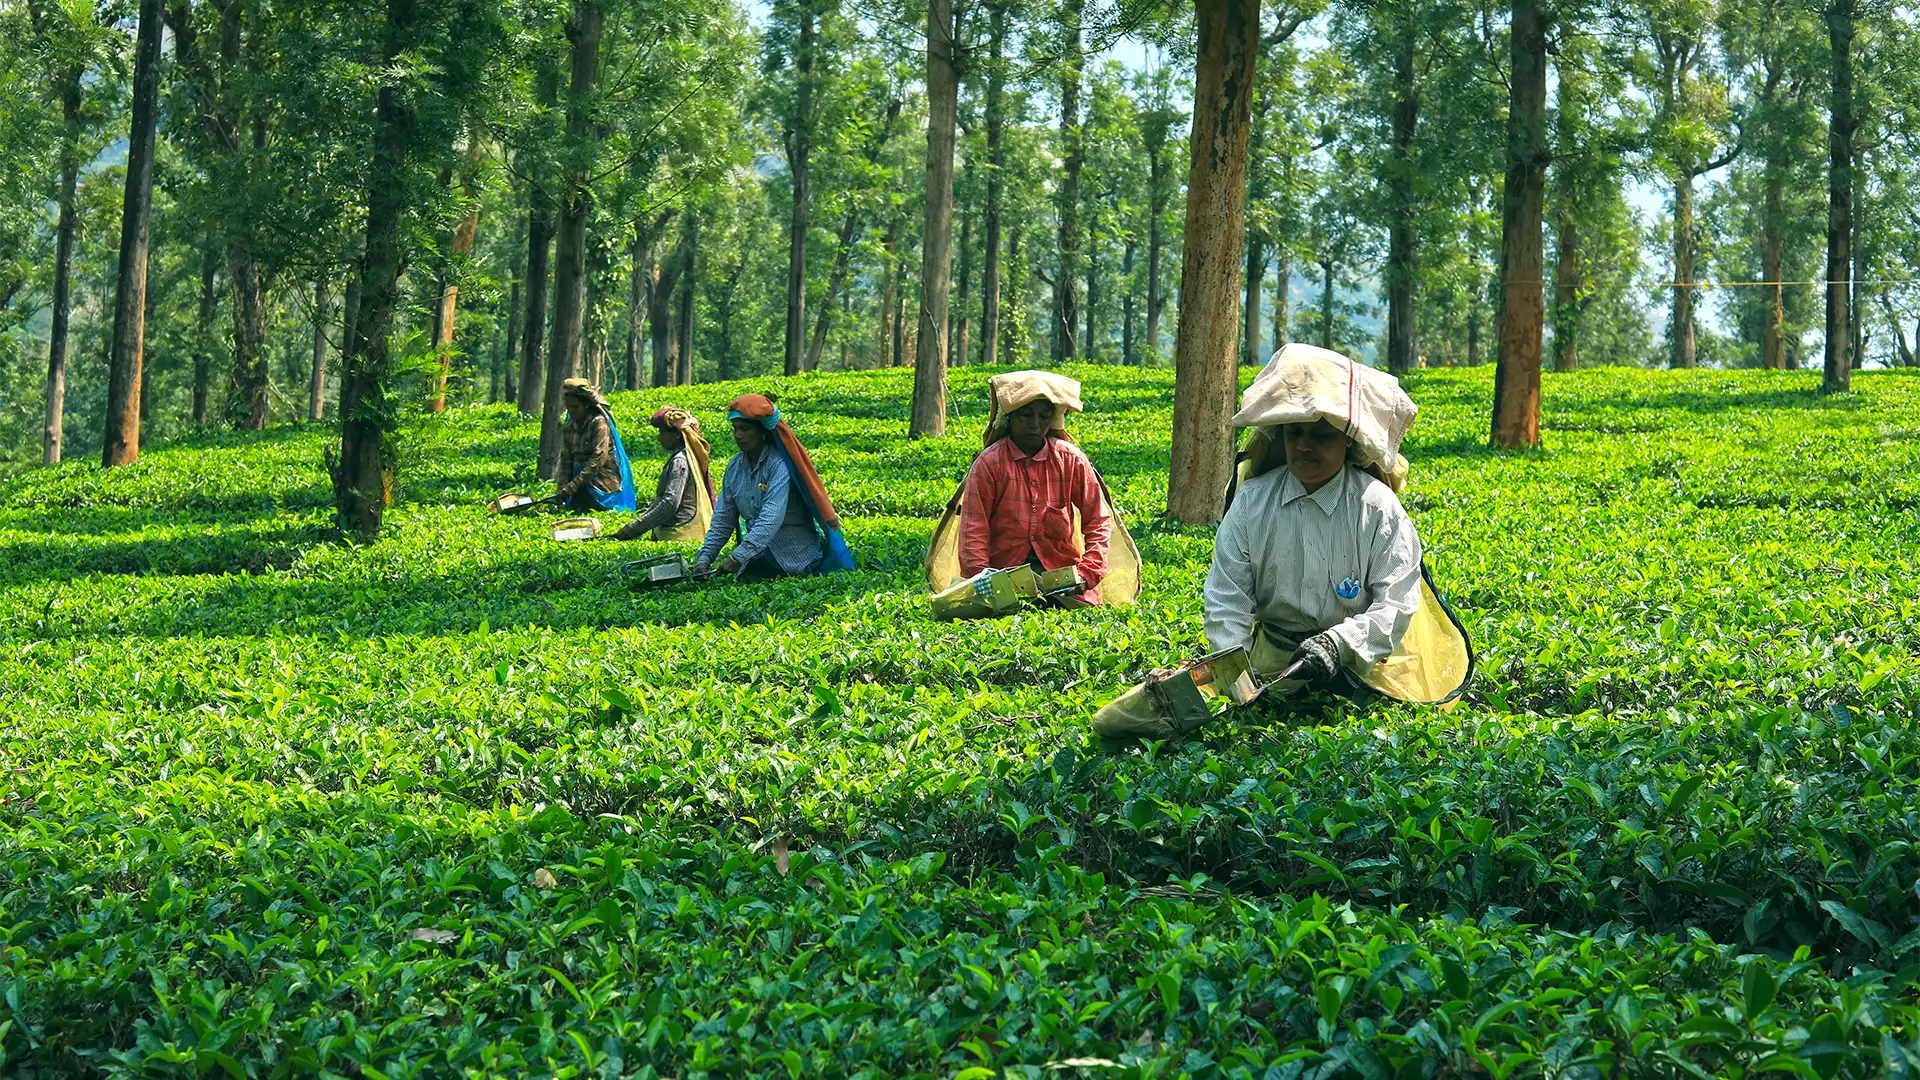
1305,383
1016,388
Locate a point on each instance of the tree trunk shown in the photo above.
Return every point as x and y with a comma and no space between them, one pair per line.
248,403
936,244
1683,291
799,153
1129,302
494,372
1773,351
464,231
660,315
202,355
1156,245
121,444
360,476
1856,307
1282,285
640,250
1205,368
62,278
1066,304
1903,354
1838,374
1516,383
533,341
1090,341
1566,287
510,362
890,283
1326,304
1401,239
689,290
957,338
317,383
1256,285
824,322
996,162
570,244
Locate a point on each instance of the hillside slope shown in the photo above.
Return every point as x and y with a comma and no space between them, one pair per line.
463,803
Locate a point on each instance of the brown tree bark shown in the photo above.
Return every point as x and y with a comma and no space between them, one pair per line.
1251,329
889,286
515,272
55,432
1205,371
1129,302
1401,239
1326,303
1066,300
1566,287
360,475
317,382
533,340
570,243
1773,348
799,152
464,231
689,292
1516,383
996,162
960,323
660,315
203,325
1154,133
1837,376
247,403
1282,284
1683,272
929,416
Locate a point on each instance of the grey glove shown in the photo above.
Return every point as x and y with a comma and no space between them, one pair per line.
1318,656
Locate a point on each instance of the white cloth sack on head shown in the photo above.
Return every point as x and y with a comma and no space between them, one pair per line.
1305,383
1017,388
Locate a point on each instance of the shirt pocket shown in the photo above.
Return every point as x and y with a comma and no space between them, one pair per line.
1349,590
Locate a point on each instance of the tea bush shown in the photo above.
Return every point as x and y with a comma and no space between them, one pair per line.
464,803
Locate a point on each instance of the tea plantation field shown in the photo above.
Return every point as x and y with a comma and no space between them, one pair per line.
461,804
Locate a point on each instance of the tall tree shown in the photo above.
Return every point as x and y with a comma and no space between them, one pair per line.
1205,383
464,231
58,39
798,132
929,415
1157,120
1516,382
1066,299
1837,376
121,444
996,121
317,381
570,244
1690,115
533,358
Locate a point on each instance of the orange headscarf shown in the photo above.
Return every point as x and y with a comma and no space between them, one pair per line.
758,408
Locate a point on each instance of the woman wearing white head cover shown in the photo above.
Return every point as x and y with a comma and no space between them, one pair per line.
1317,562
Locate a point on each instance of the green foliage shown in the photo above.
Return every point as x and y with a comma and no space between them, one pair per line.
463,802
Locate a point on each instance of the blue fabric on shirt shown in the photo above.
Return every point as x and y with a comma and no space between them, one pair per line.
756,503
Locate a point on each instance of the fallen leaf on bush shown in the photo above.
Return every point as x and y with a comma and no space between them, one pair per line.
780,860
435,937
543,879
1083,1063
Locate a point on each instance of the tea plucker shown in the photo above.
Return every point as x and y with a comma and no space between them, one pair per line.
682,504
594,473
1317,562
1317,570
772,499
1032,496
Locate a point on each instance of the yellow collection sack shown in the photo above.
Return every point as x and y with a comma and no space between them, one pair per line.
1119,588
696,530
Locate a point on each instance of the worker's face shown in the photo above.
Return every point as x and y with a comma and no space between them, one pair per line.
668,438
749,436
1316,452
1027,425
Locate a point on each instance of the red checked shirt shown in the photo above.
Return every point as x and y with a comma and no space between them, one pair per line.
1015,504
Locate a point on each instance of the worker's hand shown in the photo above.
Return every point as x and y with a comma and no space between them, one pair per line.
1318,657
730,565
701,569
